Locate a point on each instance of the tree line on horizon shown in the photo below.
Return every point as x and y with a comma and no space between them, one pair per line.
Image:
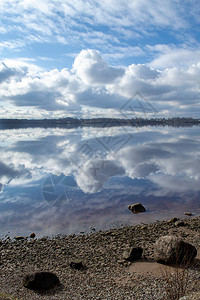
98,122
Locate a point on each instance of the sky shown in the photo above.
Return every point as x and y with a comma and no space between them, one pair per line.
111,58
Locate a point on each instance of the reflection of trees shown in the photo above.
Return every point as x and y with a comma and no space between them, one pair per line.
97,122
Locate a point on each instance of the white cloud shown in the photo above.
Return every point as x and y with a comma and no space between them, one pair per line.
95,84
172,56
80,23
93,70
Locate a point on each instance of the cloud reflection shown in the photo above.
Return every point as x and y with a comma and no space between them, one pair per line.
62,180
92,161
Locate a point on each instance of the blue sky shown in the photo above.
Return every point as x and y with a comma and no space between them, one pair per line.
87,58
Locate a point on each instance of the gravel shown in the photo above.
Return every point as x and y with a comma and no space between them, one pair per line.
105,274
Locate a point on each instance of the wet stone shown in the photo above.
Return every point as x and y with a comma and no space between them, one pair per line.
137,208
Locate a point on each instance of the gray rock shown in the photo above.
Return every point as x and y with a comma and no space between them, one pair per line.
40,281
173,250
137,208
132,253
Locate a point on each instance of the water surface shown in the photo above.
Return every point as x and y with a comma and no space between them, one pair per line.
55,181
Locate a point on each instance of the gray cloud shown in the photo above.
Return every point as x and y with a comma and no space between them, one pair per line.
6,72
43,99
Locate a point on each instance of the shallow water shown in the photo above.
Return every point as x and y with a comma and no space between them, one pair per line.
55,181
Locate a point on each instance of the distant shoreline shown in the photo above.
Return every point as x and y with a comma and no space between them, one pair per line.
96,122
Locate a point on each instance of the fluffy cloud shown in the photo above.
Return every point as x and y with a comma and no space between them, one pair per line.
46,90
95,84
93,70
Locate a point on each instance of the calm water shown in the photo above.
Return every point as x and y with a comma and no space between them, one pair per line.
68,180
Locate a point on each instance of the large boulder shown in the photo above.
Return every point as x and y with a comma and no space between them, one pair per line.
40,280
173,250
137,208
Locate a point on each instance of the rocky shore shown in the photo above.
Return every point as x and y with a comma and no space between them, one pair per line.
103,274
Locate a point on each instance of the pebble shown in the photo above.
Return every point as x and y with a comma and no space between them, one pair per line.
188,213
32,235
106,273
18,238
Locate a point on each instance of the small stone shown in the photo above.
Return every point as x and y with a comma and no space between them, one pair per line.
173,220
132,253
144,227
137,208
179,223
72,235
40,281
77,265
188,213
120,261
32,235
18,238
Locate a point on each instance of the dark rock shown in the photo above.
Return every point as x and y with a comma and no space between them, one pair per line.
173,220
173,250
179,223
137,208
18,238
92,228
132,253
40,281
77,265
32,235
